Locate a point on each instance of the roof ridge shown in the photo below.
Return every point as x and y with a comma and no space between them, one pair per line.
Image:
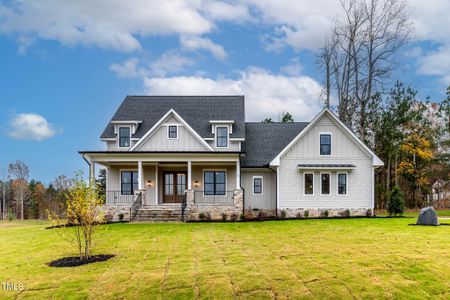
154,96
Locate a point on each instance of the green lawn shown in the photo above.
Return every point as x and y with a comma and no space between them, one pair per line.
324,259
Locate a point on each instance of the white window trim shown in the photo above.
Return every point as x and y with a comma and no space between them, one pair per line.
168,126
304,185
118,137
331,144
215,170
262,185
346,183
228,136
329,183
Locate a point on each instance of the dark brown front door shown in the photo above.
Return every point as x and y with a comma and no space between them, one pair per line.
174,187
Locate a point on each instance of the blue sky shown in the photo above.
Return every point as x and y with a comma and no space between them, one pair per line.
65,67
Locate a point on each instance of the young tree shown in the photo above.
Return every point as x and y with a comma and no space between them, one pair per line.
84,213
396,204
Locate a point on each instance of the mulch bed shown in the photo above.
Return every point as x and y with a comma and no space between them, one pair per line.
75,261
72,225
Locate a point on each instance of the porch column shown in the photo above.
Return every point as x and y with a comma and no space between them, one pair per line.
189,176
140,171
238,175
91,173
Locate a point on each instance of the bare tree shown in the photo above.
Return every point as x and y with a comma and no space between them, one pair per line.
361,53
19,170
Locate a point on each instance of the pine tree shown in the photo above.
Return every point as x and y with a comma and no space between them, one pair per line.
396,203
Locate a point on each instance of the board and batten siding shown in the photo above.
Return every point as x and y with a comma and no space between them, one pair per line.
344,150
159,140
268,198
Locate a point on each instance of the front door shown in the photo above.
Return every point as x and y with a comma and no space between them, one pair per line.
174,187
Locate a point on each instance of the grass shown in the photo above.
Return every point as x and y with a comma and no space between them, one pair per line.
312,259
415,213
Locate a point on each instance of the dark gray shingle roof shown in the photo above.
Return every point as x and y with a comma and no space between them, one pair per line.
263,141
197,111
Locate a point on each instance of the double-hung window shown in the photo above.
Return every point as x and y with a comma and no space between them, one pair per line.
325,183
214,182
309,183
257,185
325,144
342,183
222,137
124,137
172,132
128,182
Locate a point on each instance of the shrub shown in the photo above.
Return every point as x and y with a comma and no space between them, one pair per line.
283,214
369,213
261,216
396,203
121,216
249,215
306,214
202,216
224,216
324,213
208,216
299,215
345,213
108,218
11,215
234,217
242,216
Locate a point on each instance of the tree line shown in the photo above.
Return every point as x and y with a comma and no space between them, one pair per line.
22,198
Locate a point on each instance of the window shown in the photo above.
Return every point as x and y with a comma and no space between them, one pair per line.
325,183
325,144
129,182
309,183
257,185
172,131
222,137
214,182
124,136
342,183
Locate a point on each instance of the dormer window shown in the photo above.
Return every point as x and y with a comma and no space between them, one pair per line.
124,137
172,132
222,136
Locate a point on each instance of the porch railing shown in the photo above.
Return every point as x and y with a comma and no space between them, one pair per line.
119,198
135,207
225,199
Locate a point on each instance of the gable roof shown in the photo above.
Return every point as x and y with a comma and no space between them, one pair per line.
197,111
265,140
376,161
157,125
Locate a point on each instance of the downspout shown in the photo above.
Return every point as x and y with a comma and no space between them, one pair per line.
276,191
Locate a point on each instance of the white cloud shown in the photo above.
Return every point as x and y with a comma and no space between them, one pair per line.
29,126
127,69
170,62
294,67
224,11
102,23
267,94
196,43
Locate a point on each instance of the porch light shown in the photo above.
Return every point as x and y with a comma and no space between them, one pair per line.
149,183
196,183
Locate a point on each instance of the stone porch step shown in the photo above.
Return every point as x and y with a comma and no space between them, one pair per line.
158,214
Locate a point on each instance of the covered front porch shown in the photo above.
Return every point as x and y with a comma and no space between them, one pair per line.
168,180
